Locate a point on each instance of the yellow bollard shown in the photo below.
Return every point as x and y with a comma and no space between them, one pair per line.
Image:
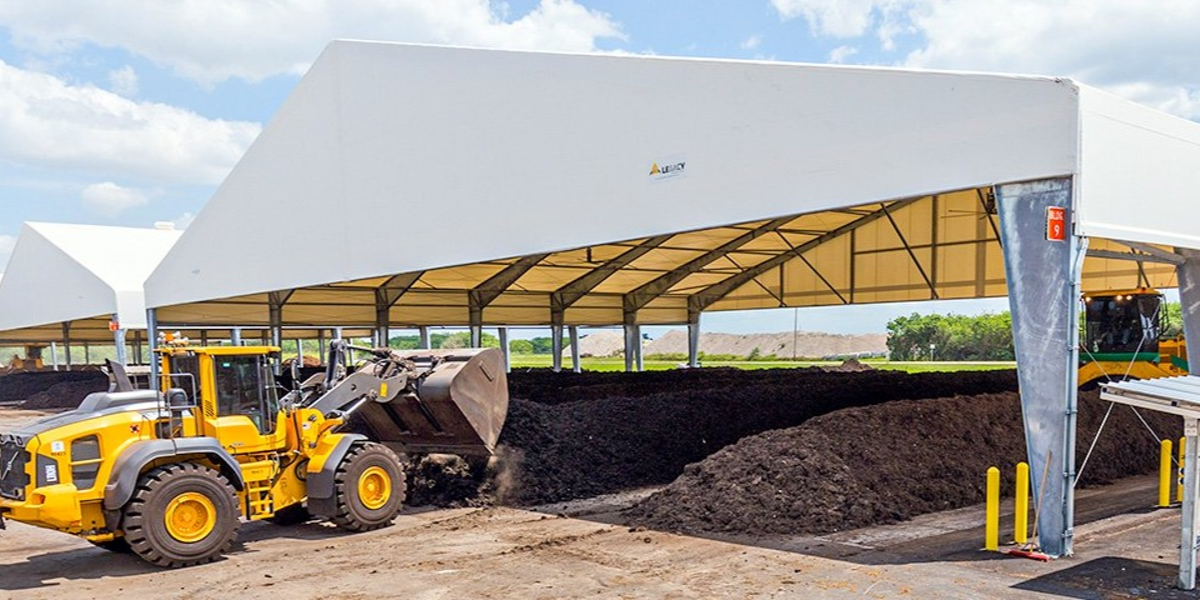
1021,505
1179,479
1164,474
992,527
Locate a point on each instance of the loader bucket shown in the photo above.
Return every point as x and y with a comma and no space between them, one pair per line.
458,408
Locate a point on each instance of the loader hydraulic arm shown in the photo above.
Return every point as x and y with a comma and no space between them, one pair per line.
382,379
452,401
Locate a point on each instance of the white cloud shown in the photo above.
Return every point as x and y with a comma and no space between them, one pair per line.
836,18
123,81
184,220
47,123
841,53
213,40
752,42
1145,54
7,242
110,199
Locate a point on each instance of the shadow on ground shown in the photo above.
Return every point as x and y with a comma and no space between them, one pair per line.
39,571
1111,578
956,536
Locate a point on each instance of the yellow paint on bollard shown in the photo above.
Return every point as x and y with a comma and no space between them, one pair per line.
1021,505
992,527
1164,474
1179,478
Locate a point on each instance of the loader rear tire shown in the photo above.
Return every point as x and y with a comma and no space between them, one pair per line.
181,515
370,488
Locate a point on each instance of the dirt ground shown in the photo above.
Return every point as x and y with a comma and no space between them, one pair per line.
582,549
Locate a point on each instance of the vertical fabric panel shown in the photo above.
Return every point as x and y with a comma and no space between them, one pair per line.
1043,296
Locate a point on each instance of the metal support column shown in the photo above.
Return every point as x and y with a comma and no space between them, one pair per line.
423,332
66,329
694,342
54,355
641,343
321,346
235,336
1043,261
382,318
119,340
152,333
476,336
87,353
573,332
632,343
502,332
276,327
1189,516
1188,274
556,338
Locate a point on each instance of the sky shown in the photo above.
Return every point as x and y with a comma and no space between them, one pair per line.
130,112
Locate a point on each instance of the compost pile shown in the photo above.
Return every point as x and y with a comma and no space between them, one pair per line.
883,464
572,436
50,389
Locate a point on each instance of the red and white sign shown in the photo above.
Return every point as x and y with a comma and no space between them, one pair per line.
1056,224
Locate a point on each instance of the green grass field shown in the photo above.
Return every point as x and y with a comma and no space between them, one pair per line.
526,361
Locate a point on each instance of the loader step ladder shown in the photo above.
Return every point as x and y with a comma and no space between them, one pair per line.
259,502
1177,396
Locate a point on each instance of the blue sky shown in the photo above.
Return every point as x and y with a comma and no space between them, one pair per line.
134,113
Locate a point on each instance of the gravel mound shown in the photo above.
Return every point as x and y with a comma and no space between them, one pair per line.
882,464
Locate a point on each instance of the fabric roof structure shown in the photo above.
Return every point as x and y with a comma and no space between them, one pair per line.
449,186
406,185
79,275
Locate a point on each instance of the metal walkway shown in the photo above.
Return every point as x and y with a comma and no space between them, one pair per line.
1176,396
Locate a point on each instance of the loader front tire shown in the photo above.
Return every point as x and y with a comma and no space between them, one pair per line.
181,515
370,488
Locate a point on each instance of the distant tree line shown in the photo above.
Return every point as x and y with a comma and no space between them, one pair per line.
981,337
951,337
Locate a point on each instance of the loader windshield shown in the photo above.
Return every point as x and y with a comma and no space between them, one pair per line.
1122,323
246,386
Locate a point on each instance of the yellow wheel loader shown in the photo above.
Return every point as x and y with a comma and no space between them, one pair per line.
170,474
1120,339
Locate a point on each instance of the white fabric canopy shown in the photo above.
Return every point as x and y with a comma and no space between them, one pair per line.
449,186
83,274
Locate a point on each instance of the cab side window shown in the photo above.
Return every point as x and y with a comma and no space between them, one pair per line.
245,387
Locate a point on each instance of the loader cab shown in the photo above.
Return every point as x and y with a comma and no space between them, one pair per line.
235,391
1122,325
